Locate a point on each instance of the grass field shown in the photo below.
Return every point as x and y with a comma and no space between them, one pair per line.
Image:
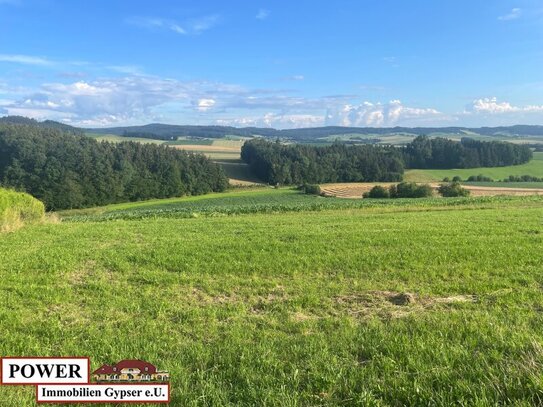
112,138
291,308
536,185
534,168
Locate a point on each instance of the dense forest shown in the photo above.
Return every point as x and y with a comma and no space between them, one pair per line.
66,171
278,163
424,152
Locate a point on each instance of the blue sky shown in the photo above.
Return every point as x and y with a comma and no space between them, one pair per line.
278,63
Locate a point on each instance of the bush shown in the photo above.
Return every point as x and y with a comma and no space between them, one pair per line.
452,189
456,178
410,190
377,192
446,179
522,178
312,189
479,178
17,209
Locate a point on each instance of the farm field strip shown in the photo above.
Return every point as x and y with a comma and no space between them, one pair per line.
275,201
355,190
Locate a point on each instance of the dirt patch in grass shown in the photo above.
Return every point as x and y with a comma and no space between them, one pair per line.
392,304
257,303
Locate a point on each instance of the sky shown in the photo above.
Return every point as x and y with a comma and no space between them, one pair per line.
282,64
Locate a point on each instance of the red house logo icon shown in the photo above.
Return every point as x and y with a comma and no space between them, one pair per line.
130,371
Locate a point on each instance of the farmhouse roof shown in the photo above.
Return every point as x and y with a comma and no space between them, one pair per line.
104,369
136,364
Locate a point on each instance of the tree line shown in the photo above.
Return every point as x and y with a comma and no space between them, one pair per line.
441,153
278,163
66,171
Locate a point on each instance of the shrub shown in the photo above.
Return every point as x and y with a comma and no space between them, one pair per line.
446,179
456,178
18,208
410,190
452,189
479,178
378,192
522,178
312,189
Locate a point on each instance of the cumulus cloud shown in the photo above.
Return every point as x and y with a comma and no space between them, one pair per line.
380,115
493,107
512,15
203,105
275,120
140,98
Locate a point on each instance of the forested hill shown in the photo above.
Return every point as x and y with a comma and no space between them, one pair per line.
278,163
47,124
67,171
169,131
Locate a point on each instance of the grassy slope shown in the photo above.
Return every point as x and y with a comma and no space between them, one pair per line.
290,308
17,209
534,168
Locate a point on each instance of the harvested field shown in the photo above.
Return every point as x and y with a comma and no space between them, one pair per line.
356,189
204,148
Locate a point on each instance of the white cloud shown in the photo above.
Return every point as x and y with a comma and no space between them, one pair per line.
512,15
491,106
381,115
275,120
262,14
203,105
24,59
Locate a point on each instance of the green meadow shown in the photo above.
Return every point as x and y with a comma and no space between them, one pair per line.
112,138
309,302
534,168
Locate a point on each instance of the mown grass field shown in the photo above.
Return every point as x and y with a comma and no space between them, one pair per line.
291,307
534,168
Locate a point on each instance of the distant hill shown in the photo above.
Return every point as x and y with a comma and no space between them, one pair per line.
51,124
171,131
168,131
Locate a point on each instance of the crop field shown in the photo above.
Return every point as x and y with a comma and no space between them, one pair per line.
332,305
112,138
534,168
260,200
